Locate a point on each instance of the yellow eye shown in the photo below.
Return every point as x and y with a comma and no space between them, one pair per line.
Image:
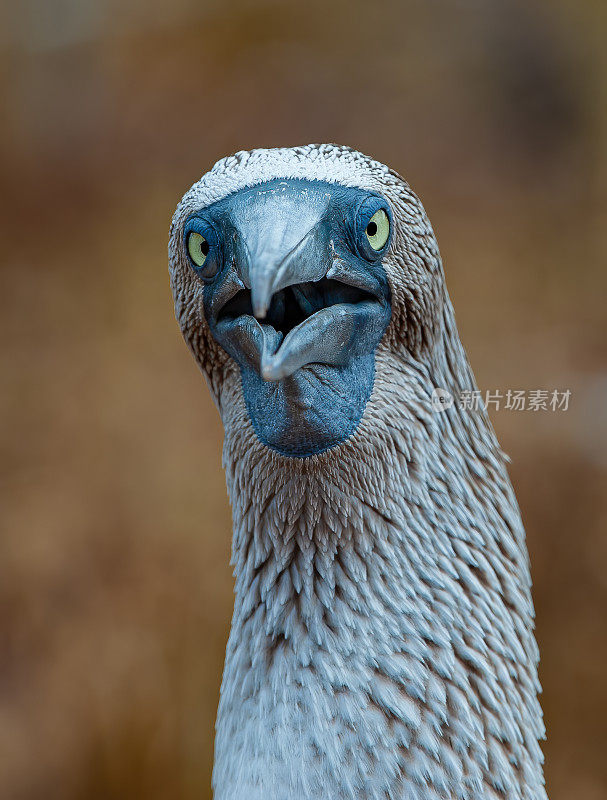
198,248
378,229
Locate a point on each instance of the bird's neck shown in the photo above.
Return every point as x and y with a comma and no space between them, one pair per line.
382,629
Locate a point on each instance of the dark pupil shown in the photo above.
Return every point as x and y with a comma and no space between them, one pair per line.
372,229
204,247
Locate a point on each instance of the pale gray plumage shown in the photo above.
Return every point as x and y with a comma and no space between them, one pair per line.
382,639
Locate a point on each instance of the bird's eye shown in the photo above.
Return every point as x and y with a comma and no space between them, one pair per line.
198,248
378,229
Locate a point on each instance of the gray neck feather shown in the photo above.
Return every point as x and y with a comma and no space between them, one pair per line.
381,643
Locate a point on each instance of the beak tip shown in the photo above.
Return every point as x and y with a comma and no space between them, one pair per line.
260,300
270,370
268,375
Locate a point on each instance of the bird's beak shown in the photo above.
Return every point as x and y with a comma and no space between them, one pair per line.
287,300
272,261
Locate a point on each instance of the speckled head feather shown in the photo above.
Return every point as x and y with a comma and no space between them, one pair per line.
382,639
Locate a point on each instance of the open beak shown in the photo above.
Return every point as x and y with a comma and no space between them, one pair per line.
288,300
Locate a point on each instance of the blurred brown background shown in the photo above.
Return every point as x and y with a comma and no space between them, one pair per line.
115,588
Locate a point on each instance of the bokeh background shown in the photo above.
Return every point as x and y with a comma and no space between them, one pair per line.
115,587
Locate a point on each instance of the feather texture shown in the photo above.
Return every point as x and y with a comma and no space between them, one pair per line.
382,639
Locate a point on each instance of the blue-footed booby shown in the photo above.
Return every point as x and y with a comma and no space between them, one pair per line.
382,643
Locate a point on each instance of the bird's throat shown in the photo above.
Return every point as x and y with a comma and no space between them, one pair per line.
375,627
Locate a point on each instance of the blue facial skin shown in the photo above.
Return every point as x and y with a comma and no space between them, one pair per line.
287,234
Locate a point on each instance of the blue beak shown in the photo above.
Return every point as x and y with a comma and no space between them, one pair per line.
291,294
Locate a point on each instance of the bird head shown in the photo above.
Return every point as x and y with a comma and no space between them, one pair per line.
299,275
